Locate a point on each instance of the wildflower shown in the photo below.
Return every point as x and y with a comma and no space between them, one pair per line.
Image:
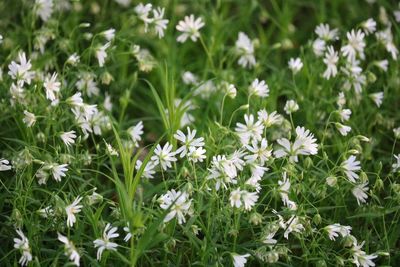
109,34
128,235
259,152
4,165
250,130
105,243
292,225
354,46
73,209
325,33
350,167
355,78
245,49
52,86
22,244
396,132
369,26
188,141
295,65
224,170
382,64
334,230
44,9
319,47
239,260
73,59
68,138
284,187
344,114
143,13
259,88
330,60
136,133
196,154
341,100
235,198
360,258
269,119
249,199
189,78
359,192
22,71
160,24
164,156
206,89
230,90
29,118
58,171
148,170
111,150
395,166
343,129
101,54
87,84
190,28
291,106
377,98
304,144
70,250
177,203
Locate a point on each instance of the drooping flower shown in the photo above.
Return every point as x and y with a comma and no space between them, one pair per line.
369,26
359,192
29,118
334,230
68,138
377,98
44,9
58,171
4,165
136,133
350,167
395,166
343,129
73,209
101,53
245,50
22,244
239,260
70,250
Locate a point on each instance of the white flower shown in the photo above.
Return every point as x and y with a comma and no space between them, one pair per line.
319,47
330,60
164,156
105,243
350,166
382,64
59,171
258,152
377,98
73,209
73,59
44,9
292,225
359,192
111,150
196,154
187,141
230,90
341,100
249,199
269,119
325,33
239,260
245,49
291,106
22,244
395,166
52,86
396,132
334,230
369,26
190,28
4,165
235,198
68,138
148,170
189,78
354,46
177,203
136,133
295,65
259,88
76,100
284,187
128,235
160,24
29,118
109,34
21,72
250,130
355,77
344,114
101,54
360,258
70,250
304,144
224,170
343,129
143,13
